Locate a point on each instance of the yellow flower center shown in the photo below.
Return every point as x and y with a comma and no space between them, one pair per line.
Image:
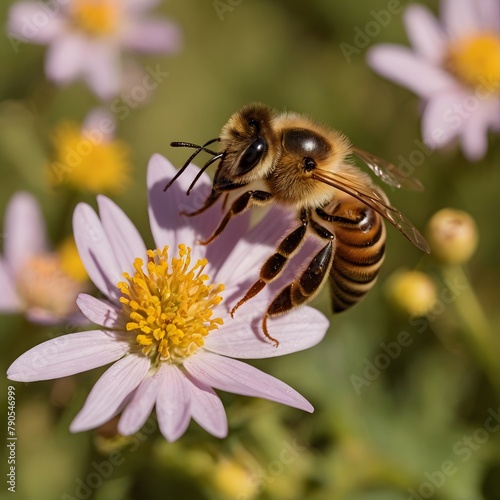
476,60
169,305
88,162
96,17
45,288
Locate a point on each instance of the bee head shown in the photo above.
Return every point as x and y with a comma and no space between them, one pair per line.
248,142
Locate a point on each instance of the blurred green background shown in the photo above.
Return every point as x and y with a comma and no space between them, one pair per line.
414,428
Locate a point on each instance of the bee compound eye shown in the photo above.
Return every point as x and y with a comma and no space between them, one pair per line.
309,164
251,156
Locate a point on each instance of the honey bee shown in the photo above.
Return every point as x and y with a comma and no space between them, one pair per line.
285,158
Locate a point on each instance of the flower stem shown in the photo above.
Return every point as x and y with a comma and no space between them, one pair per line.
476,328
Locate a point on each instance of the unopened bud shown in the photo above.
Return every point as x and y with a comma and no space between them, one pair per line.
413,292
452,236
233,480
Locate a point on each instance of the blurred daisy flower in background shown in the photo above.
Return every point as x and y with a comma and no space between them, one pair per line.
162,321
35,280
454,66
86,38
88,157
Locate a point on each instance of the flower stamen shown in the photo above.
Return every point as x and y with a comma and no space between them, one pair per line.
170,306
95,17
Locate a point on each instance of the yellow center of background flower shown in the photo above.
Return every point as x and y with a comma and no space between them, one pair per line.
476,60
170,306
96,17
71,263
88,165
45,287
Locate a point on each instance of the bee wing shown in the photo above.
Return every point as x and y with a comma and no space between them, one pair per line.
388,172
371,198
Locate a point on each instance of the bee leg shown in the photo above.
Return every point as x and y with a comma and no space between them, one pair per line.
275,264
304,288
211,199
245,201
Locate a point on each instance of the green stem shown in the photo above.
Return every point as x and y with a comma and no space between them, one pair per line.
476,328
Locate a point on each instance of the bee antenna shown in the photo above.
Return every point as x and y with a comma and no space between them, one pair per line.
199,174
198,148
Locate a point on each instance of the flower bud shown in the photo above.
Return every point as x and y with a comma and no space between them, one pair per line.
413,292
233,480
452,235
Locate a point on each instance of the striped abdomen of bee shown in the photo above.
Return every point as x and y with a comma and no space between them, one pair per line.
359,250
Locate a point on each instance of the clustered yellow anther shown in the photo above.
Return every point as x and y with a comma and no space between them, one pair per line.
95,17
170,306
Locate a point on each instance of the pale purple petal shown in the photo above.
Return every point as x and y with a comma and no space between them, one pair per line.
102,68
425,33
123,236
207,408
167,225
173,402
475,130
35,22
460,17
227,248
95,251
489,14
234,376
42,316
67,355
252,249
66,58
149,36
236,287
9,300
442,120
402,66
242,337
140,406
101,312
24,231
100,125
109,392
